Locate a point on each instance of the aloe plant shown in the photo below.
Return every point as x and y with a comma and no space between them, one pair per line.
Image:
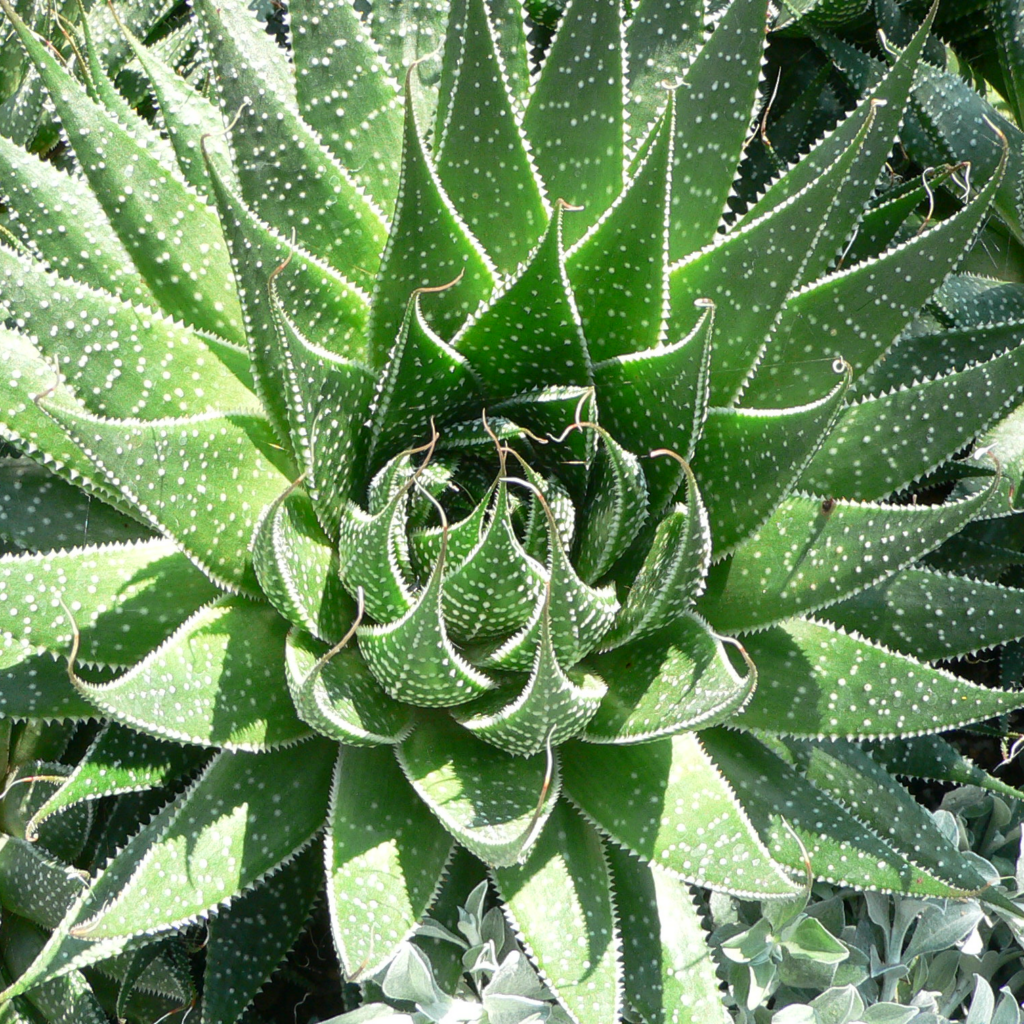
411,459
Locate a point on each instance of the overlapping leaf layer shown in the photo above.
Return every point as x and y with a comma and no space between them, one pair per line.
430,457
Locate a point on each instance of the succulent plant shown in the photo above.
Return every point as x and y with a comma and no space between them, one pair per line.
405,441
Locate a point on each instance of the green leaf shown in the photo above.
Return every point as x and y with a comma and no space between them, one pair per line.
386,859
34,885
424,377
494,804
298,568
672,574
748,460
668,803
140,363
809,940
428,246
674,679
933,615
818,325
117,596
815,680
500,199
340,698
225,461
119,760
529,333
308,299
885,442
63,223
412,657
244,816
218,681
333,219
347,95
34,685
560,904
659,400
931,757
249,938
615,512
762,259
794,818
661,40
668,970
811,554
715,105
574,119
171,235
552,707
619,270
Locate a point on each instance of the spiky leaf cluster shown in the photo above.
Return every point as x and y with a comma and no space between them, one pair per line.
415,457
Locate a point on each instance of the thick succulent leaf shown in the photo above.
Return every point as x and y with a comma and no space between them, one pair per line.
574,119
797,820
187,116
661,40
334,219
560,904
856,314
620,270
298,568
25,376
715,105
171,235
473,601
1005,442
529,333
249,938
244,816
885,442
494,804
668,803
226,461
461,537
412,657
849,775
762,257
931,757
815,680
552,707
63,223
972,301
218,681
41,512
308,300
117,597
748,460
668,970
885,104
677,678
424,377
659,400
347,95
385,859
34,885
672,575
616,510
812,553
140,364
34,685
500,198
340,698
428,246
120,760
933,615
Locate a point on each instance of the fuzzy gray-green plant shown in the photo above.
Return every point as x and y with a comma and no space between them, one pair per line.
412,460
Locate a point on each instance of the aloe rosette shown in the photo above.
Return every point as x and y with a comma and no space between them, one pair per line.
420,467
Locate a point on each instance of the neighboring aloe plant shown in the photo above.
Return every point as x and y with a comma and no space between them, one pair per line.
399,464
